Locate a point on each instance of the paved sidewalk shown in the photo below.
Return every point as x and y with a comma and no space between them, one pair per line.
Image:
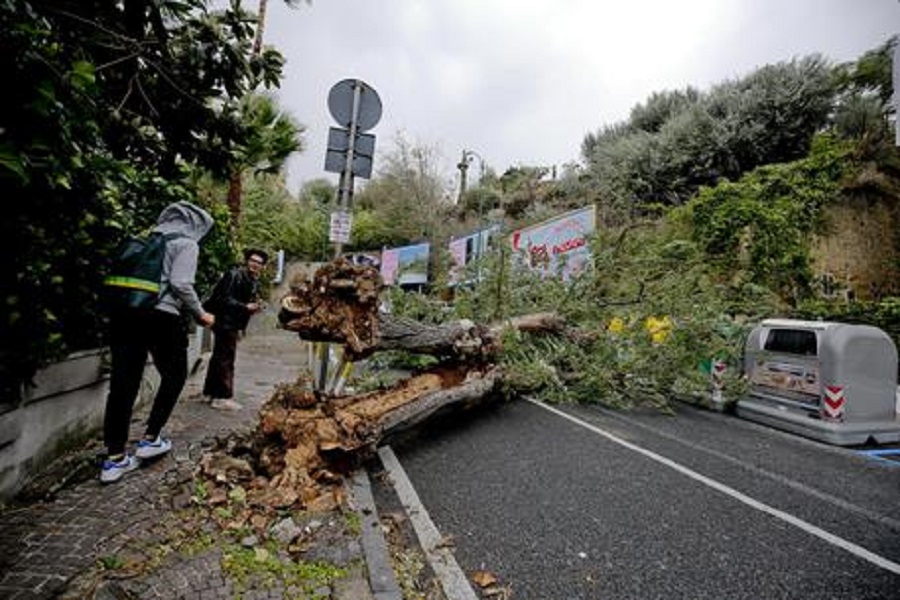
146,537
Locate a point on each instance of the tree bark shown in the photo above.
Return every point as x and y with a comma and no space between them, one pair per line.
260,27
235,192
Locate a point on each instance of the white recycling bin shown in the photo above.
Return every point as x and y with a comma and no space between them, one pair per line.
833,382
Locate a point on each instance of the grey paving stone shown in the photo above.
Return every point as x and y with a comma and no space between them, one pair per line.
46,546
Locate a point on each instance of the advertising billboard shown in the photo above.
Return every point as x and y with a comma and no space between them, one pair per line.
407,265
558,246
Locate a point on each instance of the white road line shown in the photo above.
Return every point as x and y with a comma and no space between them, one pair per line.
781,479
442,561
850,547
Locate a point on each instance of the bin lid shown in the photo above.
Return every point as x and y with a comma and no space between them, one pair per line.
799,324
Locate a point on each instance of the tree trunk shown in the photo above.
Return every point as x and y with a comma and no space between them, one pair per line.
260,27
235,193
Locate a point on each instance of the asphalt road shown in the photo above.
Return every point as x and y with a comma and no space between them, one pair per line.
643,505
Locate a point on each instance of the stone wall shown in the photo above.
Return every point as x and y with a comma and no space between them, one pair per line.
62,411
858,255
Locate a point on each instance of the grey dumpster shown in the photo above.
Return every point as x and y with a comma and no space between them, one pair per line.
833,382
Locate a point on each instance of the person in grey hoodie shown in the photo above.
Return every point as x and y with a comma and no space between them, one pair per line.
162,333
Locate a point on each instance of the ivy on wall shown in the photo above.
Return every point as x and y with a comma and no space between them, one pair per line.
759,228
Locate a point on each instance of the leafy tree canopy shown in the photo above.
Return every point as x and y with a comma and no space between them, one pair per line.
408,198
870,73
678,141
110,109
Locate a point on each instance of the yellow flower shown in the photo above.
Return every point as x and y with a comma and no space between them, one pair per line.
616,325
659,329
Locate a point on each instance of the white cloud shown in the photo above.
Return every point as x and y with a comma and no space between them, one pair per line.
521,81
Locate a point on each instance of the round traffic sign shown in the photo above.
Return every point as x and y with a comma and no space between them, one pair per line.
340,103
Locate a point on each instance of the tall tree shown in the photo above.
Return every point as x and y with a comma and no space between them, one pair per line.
261,22
871,72
269,137
866,88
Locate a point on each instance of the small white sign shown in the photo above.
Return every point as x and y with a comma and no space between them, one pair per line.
339,232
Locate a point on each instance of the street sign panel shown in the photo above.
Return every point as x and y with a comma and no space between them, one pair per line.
339,139
335,161
339,232
339,144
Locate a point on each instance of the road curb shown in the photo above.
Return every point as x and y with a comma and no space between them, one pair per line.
378,561
443,563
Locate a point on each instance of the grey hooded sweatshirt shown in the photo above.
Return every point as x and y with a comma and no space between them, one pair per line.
180,262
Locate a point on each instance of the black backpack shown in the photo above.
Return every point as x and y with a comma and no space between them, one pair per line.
218,298
135,279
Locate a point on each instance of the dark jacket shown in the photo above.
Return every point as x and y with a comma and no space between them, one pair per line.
229,299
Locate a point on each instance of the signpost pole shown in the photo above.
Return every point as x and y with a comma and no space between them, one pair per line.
896,80
345,188
364,112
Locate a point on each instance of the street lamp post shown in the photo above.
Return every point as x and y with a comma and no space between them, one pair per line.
463,166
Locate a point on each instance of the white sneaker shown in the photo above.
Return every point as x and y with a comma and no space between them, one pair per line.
225,404
113,470
151,448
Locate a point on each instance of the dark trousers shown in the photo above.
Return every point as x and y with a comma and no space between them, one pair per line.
220,372
133,335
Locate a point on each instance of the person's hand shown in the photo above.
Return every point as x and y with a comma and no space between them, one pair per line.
207,319
254,307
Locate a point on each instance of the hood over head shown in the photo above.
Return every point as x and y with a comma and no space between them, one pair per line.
184,218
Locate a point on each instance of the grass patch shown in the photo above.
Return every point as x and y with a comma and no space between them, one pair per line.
353,523
262,566
408,567
111,562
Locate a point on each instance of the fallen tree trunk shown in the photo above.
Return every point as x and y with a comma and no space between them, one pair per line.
472,390
306,441
304,445
340,306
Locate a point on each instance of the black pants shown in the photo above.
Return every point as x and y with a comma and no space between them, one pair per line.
220,372
133,335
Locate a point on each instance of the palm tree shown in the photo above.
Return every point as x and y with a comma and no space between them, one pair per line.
861,115
261,22
270,137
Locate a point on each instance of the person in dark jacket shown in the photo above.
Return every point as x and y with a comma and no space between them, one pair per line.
234,300
162,333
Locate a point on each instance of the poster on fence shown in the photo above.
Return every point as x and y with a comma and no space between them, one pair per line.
407,265
468,248
457,260
558,246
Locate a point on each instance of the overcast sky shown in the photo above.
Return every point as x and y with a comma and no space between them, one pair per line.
521,82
